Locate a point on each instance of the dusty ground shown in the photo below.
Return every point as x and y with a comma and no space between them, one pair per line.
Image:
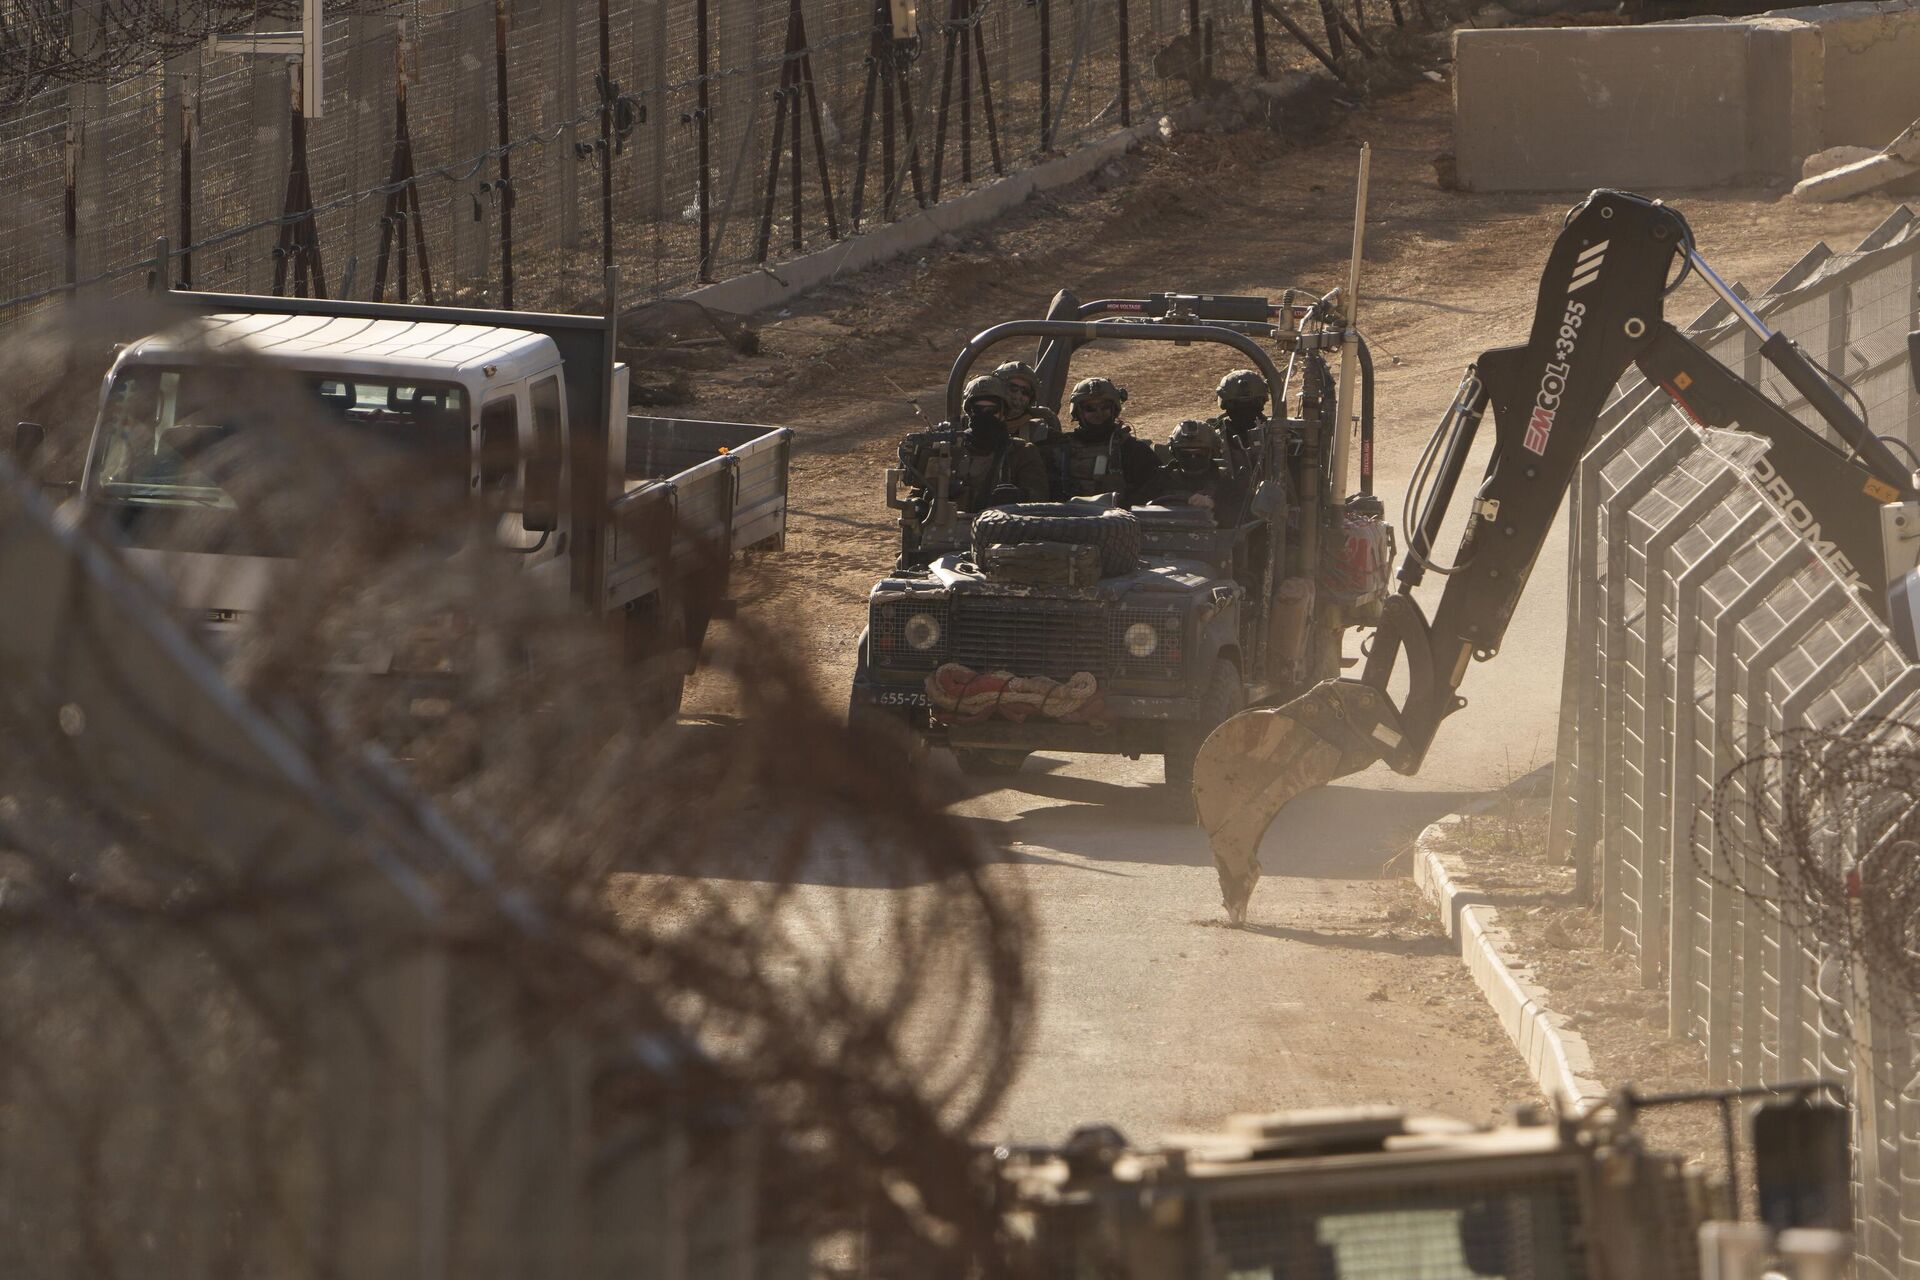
1503,851
1152,1015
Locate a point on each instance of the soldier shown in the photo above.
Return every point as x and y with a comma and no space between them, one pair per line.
1243,409
992,465
1026,419
1204,471
1101,453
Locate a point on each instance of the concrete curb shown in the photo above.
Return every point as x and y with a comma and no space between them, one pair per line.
1556,1057
788,279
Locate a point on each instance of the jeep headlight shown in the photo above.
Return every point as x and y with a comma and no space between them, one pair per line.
1142,639
922,631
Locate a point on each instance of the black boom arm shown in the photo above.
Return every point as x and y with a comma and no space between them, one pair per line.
1599,311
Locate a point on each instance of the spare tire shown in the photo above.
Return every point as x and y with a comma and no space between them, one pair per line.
1114,532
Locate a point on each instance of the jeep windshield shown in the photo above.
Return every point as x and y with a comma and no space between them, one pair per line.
208,457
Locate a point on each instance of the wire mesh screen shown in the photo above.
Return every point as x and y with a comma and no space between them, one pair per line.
681,140
1719,669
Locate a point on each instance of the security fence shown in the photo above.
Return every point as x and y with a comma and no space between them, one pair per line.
1705,637
502,151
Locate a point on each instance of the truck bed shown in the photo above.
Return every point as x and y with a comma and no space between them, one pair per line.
696,494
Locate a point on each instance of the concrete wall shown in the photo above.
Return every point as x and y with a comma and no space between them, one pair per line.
1678,105
1870,68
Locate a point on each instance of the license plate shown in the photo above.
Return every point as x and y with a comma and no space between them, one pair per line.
901,698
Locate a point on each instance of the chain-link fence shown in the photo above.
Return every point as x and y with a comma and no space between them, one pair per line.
503,151
1704,632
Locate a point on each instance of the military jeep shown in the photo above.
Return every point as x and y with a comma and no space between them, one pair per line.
1081,627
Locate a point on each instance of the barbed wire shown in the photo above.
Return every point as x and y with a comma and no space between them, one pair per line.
767,920
1823,829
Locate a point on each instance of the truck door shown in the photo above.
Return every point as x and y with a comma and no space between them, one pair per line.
516,471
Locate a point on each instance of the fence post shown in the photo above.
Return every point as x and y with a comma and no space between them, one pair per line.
180,125
1684,795
503,136
605,87
703,112
1046,75
565,157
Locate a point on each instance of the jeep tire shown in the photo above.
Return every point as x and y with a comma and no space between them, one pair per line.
1223,697
1115,532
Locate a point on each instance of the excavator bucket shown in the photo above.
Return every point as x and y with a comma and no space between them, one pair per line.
1250,767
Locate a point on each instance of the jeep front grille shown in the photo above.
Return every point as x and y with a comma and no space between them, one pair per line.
1029,636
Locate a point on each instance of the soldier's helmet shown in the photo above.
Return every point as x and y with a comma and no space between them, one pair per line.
1090,389
1242,386
1019,372
1194,439
986,387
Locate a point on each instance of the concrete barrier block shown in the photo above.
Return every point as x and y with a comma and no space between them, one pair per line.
1870,58
1680,105
1654,107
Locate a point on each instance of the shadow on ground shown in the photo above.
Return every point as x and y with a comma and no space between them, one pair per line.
1103,815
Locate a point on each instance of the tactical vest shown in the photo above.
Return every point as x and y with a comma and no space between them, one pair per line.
992,472
1089,469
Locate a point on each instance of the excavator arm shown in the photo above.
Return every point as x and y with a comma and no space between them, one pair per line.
1599,311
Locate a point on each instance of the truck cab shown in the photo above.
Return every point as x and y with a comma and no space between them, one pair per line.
232,442
443,409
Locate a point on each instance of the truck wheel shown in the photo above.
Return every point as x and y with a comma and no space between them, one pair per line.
659,656
987,762
1224,696
1115,532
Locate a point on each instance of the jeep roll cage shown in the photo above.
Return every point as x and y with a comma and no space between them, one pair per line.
1182,319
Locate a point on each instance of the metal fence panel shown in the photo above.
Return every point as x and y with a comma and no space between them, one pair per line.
1702,631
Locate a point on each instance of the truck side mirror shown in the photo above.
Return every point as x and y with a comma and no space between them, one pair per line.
27,439
542,514
1913,357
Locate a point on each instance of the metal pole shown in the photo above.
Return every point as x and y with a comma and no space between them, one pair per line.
606,136
701,112
1046,75
504,135
875,47
1126,97
1299,33
187,128
966,92
70,212
1330,20
986,96
819,137
1259,40
946,100
1724,291
1346,410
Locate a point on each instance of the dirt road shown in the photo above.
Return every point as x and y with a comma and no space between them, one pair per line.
1154,1016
